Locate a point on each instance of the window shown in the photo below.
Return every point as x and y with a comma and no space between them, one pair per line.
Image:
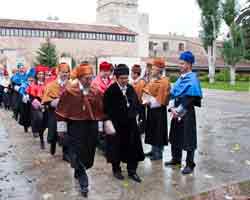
33,33
16,32
36,33
12,32
20,32
29,33
3,31
7,32
64,34
151,46
165,46
181,47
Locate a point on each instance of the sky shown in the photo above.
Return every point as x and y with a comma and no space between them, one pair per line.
176,16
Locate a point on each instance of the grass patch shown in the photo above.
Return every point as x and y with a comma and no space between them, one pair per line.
239,86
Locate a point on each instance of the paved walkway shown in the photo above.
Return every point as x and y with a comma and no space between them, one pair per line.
27,173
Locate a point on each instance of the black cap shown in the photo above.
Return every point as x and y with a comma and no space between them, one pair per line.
121,69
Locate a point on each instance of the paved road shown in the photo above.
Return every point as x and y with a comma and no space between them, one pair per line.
27,173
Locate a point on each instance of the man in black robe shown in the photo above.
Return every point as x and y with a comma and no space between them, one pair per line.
78,112
121,105
186,94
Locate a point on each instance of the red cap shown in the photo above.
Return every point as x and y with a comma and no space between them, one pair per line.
105,66
41,68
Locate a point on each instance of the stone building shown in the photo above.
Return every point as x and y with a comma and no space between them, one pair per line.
121,31
21,39
125,13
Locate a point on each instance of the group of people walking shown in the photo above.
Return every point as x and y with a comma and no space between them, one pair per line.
112,110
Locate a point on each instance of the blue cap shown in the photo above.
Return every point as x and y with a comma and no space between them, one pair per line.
188,57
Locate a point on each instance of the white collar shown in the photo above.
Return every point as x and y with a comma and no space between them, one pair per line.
136,80
84,90
40,83
61,82
184,75
122,88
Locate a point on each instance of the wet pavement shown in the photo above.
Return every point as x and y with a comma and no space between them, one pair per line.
222,172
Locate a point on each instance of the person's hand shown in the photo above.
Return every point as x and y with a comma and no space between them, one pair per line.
36,104
174,113
54,103
5,90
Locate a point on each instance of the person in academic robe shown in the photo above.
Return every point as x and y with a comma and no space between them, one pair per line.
121,105
25,106
139,83
156,96
53,91
1,83
16,80
6,89
102,82
78,112
185,95
38,112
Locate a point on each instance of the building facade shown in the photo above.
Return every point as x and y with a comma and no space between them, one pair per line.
20,40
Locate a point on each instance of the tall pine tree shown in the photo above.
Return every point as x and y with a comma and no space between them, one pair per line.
46,55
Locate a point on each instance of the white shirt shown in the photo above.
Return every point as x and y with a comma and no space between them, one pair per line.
184,75
84,90
124,91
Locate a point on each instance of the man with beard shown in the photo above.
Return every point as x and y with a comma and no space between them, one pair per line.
121,105
78,113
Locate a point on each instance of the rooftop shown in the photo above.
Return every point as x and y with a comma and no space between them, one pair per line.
62,26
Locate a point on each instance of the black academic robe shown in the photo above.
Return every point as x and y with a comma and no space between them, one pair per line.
80,142
16,100
1,94
156,126
183,133
7,98
25,114
39,118
125,145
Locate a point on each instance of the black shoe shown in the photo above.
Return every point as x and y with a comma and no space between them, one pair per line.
76,174
65,158
84,192
118,175
172,163
155,157
148,154
135,177
187,170
52,148
42,145
84,183
26,129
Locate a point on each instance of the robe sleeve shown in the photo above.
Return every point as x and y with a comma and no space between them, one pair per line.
164,93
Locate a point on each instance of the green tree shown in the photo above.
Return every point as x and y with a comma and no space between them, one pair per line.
233,47
210,21
46,55
244,20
